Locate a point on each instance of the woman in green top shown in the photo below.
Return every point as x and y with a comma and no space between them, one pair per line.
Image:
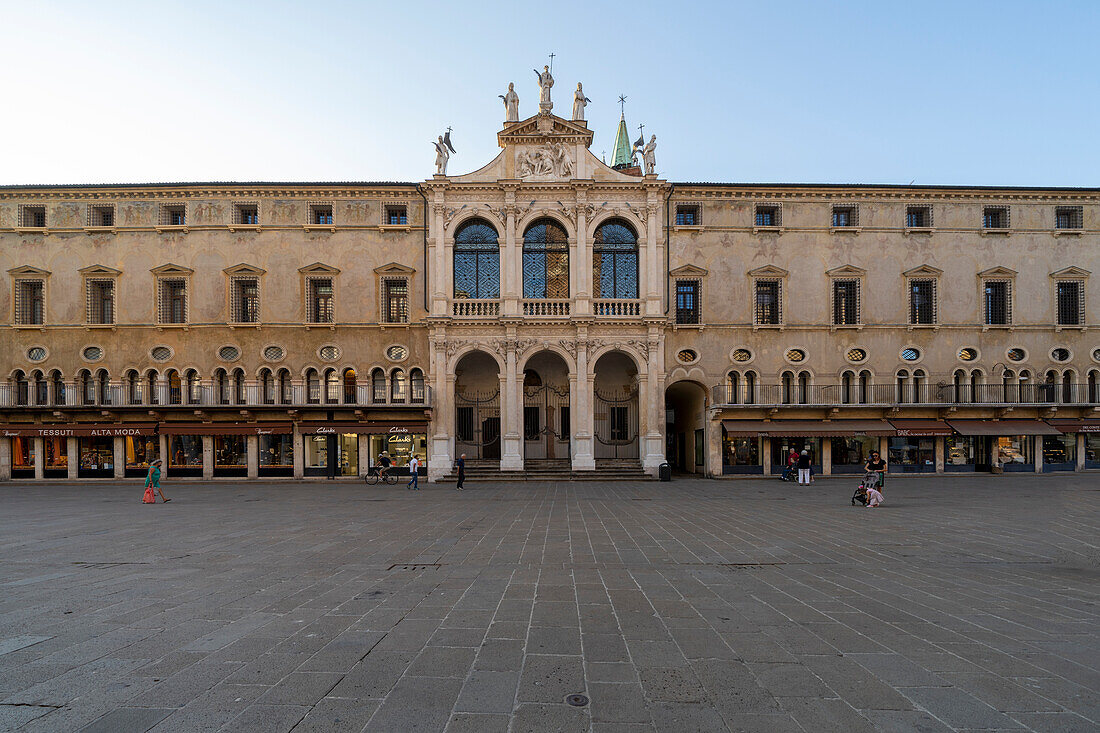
153,479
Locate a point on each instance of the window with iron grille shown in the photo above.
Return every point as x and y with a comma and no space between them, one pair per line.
532,427
101,215
768,306
101,300
995,217
922,302
173,300
918,217
320,302
845,302
687,215
244,299
174,215
687,301
767,215
30,302
845,216
246,214
1069,217
395,300
32,216
1070,297
396,215
998,302
320,214
615,260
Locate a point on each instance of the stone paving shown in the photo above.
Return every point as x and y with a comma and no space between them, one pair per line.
965,603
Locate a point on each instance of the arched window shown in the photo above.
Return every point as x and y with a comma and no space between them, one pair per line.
976,380
378,386
350,396
238,386
191,388
175,388
332,387
397,386
902,393
103,387
1094,393
864,387
545,260
58,387
733,389
22,389
133,387
1069,387
846,396
1050,386
615,261
786,382
221,387
958,381
313,387
1008,388
750,388
267,387
919,386
1027,389
476,260
41,388
286,391
416,384
803,388
152,385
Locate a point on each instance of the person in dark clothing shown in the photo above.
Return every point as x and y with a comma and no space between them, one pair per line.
461,463
804,469
877,466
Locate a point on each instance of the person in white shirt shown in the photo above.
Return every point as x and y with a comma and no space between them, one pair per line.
414,467
874,497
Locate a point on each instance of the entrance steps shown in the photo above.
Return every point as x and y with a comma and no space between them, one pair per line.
551,470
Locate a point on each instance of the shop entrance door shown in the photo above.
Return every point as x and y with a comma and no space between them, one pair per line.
983,453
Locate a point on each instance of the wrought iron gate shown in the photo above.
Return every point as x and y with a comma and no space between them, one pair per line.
477,425
546,423
616,418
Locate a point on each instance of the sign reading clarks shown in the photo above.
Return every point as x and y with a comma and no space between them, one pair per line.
368,428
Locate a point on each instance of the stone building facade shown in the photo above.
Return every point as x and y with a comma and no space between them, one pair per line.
546,313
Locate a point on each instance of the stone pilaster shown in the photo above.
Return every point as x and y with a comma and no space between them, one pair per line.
72,458
120,457
39,458
511,458
252,449
582,418
208,456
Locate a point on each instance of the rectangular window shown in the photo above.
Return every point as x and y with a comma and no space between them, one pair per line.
768,309
320,297
320,214
687,216
998,302
1069,217
845,216
687,301
245,300
1070,296
922,302
246,214
33,216
918,217
174,215
101,215
845,302
395,304
995,217
396,215
30,302
101,301
767,215
173,301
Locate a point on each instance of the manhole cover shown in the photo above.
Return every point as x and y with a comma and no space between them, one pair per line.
577,701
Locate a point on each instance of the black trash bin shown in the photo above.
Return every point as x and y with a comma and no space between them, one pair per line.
665,472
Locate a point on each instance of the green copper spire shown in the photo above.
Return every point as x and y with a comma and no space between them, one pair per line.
621,155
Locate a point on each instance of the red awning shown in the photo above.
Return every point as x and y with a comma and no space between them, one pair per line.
921,428
227,428
1002,427
807,428
314,427
1067,425
78,430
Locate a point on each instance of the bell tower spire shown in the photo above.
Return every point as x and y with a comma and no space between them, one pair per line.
622,158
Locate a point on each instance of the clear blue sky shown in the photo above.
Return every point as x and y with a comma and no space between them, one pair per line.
870,92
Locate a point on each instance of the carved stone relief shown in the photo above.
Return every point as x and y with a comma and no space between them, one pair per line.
548,160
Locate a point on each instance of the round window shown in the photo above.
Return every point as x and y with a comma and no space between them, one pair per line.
161,353
92,353
36,353
1016,355
910,354
796,355
1096,354
1059,354
856,355
397,353
329,353
274,353
968,354
686,356
743,355
229,353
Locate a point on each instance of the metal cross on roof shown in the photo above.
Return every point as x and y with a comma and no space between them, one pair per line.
552,62
622,104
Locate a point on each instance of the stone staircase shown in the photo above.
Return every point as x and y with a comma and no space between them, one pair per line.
552,471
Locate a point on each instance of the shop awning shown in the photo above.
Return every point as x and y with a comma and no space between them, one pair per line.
227,428
1002,427
807,428
1067,425
78,430
396,427
916,428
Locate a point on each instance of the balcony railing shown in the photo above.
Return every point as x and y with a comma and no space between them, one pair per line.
475,308
889,395
546,307
616,308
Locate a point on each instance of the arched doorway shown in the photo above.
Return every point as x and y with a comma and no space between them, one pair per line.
685,427
477,407
615,407
546,418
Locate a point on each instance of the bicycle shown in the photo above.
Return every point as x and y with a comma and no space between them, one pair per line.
374,476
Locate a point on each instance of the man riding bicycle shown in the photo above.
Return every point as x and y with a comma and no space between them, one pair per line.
384,464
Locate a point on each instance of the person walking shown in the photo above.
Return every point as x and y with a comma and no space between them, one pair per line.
152,480
461,463
877,466
414,467
804,468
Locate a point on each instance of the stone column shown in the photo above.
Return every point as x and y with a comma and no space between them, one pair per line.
1080,452
120,457
654,412
252,449
39,458
714,447
826,456
941,453
72,458
884,451
5,459
766,455
580,262
511,430
440,264
208,456
162,447
299,452
582,417
439,436
1038,453
653,280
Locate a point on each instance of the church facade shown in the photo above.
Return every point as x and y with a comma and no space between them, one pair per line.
550,315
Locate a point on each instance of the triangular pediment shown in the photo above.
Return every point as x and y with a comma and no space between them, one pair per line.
28,270
849,270
768,271
1071,271
99,270
171,269
997,272
394,268
688,271
319,268
923,271
544,128
244,269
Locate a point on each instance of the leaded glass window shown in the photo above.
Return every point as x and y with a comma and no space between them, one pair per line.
545,261
477,261
615,261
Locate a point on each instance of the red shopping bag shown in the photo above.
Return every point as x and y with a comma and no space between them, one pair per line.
150,497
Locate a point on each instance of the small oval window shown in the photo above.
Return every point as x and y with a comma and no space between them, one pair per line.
92,353
397,353
796,355
968,354
746,355
273,353
856,355
229,353
329,353
36,353
1016,355
161,353
910,354
686,356
1059,354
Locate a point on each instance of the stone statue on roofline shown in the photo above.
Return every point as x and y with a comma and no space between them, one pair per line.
546,81
579,103
649,155
511,103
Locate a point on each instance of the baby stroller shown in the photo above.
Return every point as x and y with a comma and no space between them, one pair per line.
870,479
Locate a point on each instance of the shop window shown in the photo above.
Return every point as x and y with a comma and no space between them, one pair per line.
97,457
1015,452
276,455
56,457
140,451
912,455
741,454
850,455
959,453
230,455
185,454
22,457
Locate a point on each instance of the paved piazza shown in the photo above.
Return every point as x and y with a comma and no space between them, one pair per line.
964,603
